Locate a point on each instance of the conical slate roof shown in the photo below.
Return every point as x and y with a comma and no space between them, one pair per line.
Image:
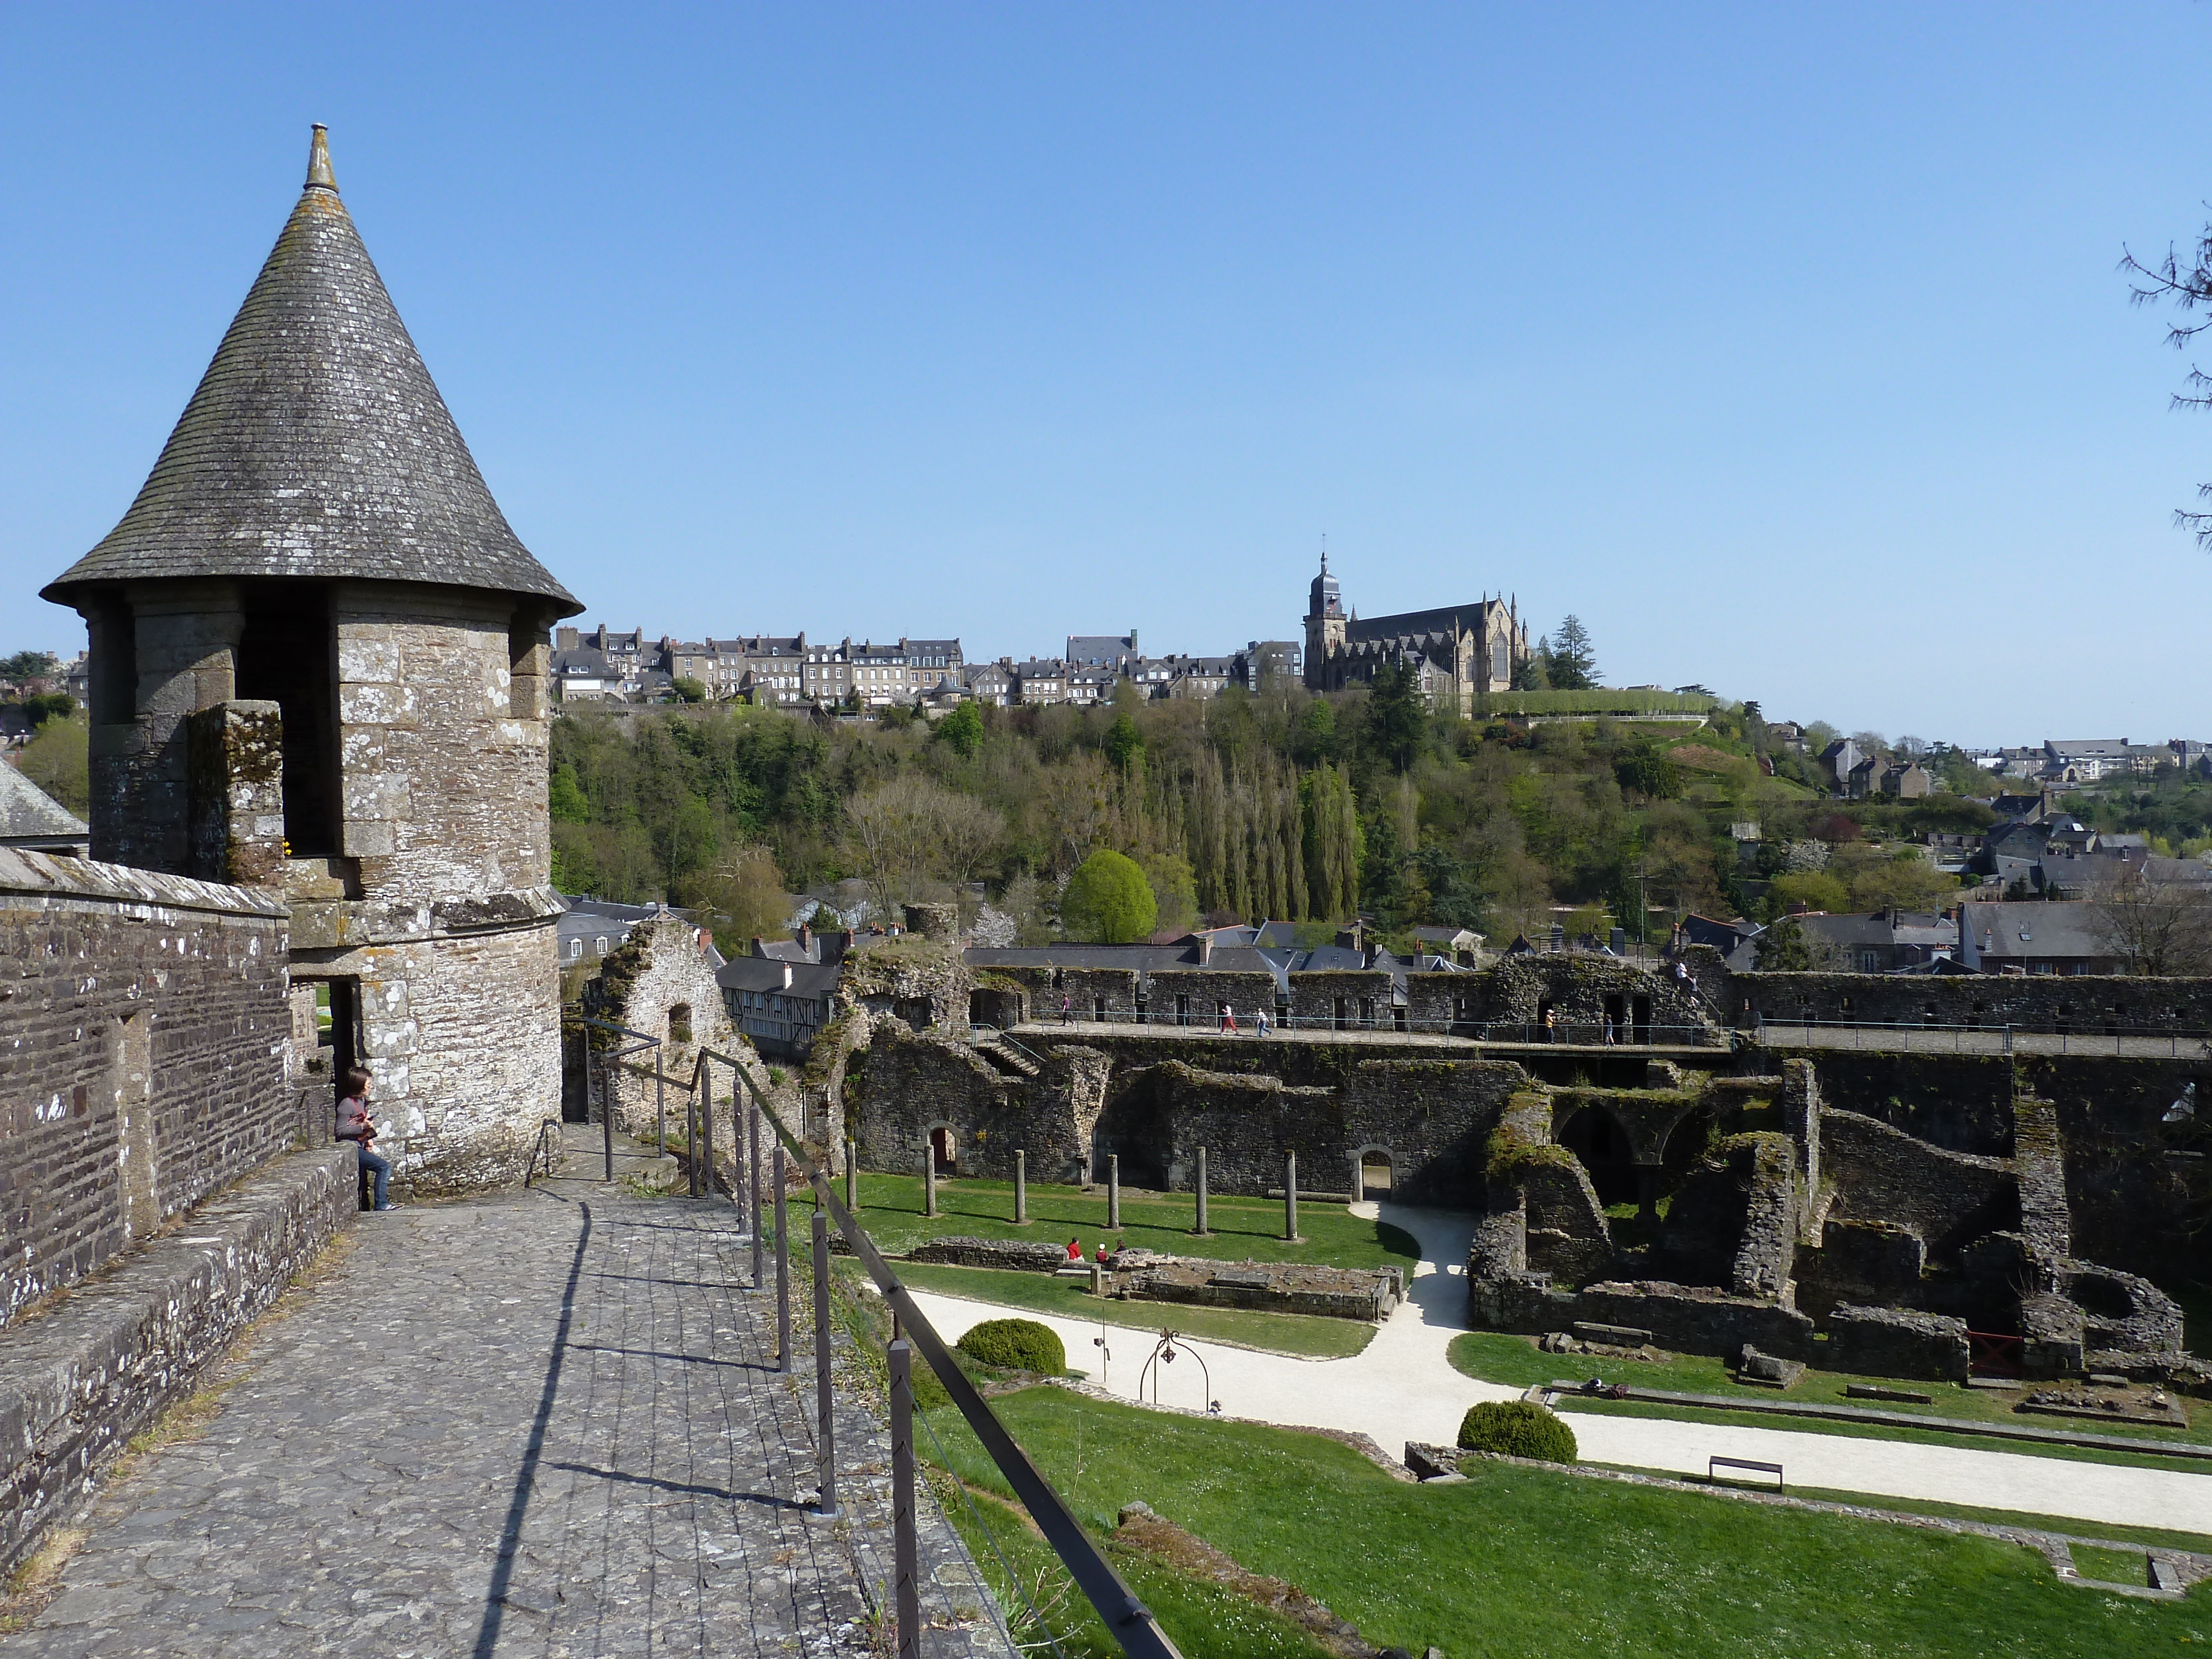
316,444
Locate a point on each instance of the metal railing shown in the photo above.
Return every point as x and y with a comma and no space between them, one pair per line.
1626,1033
1127,1618
542,1148
1936,1036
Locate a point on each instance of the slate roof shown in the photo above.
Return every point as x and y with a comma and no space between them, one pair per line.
28,815
316,445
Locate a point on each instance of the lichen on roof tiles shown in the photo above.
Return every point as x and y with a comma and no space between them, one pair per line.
317,444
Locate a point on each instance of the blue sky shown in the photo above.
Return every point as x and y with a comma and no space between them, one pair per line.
1783,345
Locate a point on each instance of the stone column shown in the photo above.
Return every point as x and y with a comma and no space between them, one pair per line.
929,1180
1201,1229
1648,1177
1291,1197
1021,1186
1359,1178
1113,1192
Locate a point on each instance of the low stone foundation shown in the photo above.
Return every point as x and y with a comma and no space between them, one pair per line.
80,1377
1897,1342
1257,1287
1021,1255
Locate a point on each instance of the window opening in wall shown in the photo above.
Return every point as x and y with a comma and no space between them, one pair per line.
1616,1015
679,1022
1640,1009
942,1150
288,655
1183,1009
136,1154
1098,1009
1337,1014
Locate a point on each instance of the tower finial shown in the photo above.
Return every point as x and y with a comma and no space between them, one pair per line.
318,162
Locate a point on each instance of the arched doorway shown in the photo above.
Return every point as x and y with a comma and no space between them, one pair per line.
1592,1136
943,1151
1374,1170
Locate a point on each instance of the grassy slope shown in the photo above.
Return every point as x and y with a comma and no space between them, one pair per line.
1524,1564
1495,1357
890,1209
1292,1333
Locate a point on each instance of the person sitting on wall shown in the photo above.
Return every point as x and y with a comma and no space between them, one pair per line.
354,1125
1075,1249
1102,1252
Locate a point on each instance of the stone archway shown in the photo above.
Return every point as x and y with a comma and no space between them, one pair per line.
1374,1172
944,1149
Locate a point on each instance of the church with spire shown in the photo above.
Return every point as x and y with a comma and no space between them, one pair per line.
318,666
1456,653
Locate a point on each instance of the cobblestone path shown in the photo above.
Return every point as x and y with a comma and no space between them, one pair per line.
542,1423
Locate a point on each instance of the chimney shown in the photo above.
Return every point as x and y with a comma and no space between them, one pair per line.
786,976
760,945
841,943
1204,949
805,935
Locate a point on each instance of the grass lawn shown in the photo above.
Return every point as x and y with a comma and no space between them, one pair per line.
1525,1565
1499,1357
1294,1333
890,1209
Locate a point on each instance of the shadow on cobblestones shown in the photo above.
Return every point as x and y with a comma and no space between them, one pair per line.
545,1422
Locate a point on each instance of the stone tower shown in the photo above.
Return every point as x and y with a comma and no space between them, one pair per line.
1324,624
318,664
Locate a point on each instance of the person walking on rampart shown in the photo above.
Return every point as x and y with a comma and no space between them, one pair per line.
1260,1020
355,1125
1228,1020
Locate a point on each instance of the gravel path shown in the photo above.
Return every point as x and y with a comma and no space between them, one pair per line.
1403,1387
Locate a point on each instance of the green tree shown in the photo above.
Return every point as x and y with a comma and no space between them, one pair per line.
962,729
1397,714
1534,672
1573,663
565,797
56,760
688,689
1125,744
1816,889
29,666
1648,772
1107,901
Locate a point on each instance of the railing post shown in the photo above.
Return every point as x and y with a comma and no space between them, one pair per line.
1201,1229
1113,1192
749,1173
1291,1198
825,1415
782,1270
702,1077
607,1120
929,1181
1021,1186
906,1592
660,1109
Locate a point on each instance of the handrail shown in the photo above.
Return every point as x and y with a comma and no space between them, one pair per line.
1127,1618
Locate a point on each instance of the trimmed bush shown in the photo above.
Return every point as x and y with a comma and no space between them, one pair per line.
1517,1428
1015,1345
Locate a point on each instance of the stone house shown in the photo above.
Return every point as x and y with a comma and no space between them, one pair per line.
319,662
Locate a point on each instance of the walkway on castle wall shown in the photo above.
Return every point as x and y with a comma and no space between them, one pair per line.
1401,1387
1383,1036
541,1422
1967,1039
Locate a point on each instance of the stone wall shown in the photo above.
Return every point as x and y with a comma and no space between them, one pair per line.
1882,1174
660,980
1577,984
1202,991
1896,1342
1342,999
145,1031
2026,1002
77,1383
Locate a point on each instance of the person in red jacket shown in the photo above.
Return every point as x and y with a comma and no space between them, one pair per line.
354,1125
1075,1249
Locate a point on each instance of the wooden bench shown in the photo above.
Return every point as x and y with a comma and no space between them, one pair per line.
1713,1464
